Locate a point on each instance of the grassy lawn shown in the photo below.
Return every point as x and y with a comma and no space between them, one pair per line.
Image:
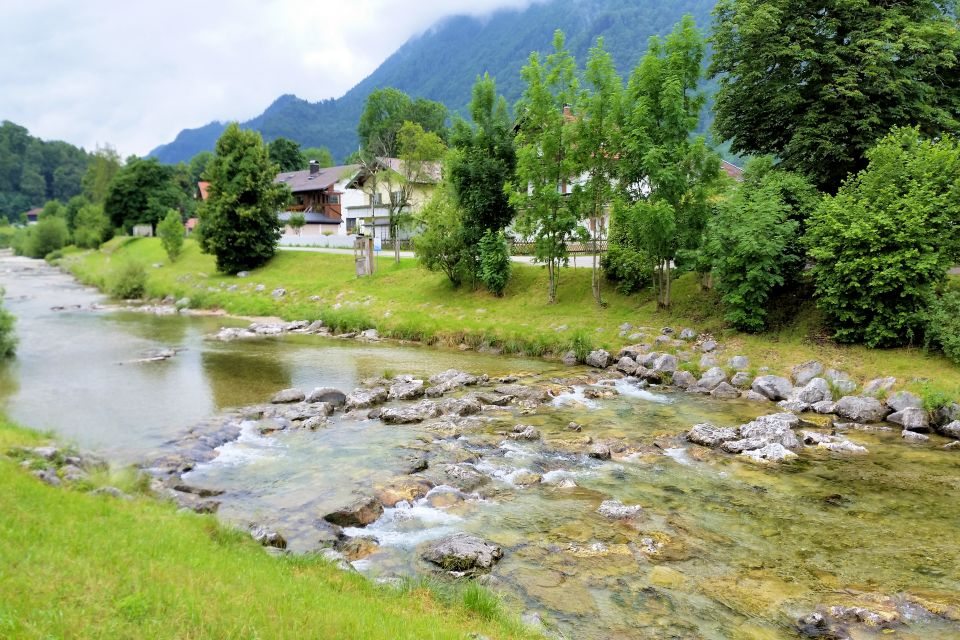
405,301
76,565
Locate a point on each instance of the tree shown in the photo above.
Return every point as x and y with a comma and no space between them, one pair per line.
53,209
441,245
48,235
239,218
483,165
596,148
198,166
297,221
494,262
91,227
665,174
286,154
544,161
387,109
142,192
8,339
72,209
171,232
104,165
884,242
817,82
321,154
754,240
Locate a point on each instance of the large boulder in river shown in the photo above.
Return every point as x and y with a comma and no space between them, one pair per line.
449,380
777,427
410,414
951,430
710,435
288,396
365,398
816,390
772,387
463,552
861,409
329,395
598,358
683,379
947,414
725,391
358,513
911,419
406,390
804,373
666,363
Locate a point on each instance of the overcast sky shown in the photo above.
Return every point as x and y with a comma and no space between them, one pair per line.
133,74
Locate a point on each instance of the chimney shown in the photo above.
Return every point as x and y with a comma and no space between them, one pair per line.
314,167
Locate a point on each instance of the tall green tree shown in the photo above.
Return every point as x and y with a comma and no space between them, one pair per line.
239,218
142,192
104,165
198,166
385,112
321,154
483,165
884,242
597,147
286,154
171,233
817,82
545,162
665,174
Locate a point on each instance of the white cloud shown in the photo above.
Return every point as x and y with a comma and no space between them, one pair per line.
133,74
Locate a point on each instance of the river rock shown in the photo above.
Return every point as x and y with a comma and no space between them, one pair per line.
460,407
772,387
824,407
947,413
449,380
724,391
598,358
739,363
911,419
713,377
616,510
843,446
666,363
708,345
600,452
627,365
804,373
878,386
741,380
753,396
371,335
410,414
861,409
288,396
525,432
951,430
464,476
524,393
913,436
365,398
710,435
771,452
902,400
815,390
840,380
794,406
359,513
688,334
268,537
773,428
684,379
463,552
950,446
524,478
404,488
406,390
331,396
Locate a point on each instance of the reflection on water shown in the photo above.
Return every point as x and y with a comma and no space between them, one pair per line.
724,549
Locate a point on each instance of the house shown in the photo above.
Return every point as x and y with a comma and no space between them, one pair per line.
316,196
386,181
732,170
33,215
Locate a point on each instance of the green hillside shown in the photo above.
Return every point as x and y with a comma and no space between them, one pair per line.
443,63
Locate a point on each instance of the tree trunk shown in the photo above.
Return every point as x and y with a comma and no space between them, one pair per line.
396,243
552,288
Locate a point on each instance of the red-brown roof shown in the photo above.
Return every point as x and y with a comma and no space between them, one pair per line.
192,223
34,213
732,170
204,189
301,181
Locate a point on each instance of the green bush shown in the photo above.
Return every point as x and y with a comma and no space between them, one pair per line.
47,235
943,325
883,244
494,262
91,227
581,345
128,281
8,339
171,232
627,268
7,232
441,246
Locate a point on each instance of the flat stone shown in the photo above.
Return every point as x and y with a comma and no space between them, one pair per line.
616,510
288,396
843,446
406,390
824,407
359,513
411,414
710,435
913,436
463,552
771,452
365,398
793,406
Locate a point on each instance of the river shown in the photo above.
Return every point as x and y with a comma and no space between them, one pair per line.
724,549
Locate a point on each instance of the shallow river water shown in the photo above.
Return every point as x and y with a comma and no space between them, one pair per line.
725,548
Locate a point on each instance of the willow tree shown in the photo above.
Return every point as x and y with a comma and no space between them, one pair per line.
665,174
597,145
545,162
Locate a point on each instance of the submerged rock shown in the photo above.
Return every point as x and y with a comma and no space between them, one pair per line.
329,395
771,452
616,510
359,513
463,552
288,396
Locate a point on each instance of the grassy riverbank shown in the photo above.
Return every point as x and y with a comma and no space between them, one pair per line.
405,301
76,565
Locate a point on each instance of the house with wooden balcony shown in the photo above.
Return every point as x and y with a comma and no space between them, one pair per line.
317,195
386,183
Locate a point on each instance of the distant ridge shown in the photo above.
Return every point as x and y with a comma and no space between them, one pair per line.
443,63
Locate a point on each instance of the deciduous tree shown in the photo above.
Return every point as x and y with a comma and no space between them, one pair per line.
286,154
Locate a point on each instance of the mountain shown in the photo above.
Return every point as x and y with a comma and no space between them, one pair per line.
443,63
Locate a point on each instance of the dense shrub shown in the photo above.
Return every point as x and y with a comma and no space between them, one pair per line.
628,268
91,227
8,339
47,235
943,325
128,281
753,241
171,232
885,241
6,236
441,246
494,262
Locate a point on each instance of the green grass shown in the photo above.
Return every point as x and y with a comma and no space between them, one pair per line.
405,301
76,565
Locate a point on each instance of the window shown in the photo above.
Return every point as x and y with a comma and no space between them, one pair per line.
376,199
396,197
333,198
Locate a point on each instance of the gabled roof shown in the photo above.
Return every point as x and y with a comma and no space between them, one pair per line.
432,171
301,181
34,213
204,187
732,170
